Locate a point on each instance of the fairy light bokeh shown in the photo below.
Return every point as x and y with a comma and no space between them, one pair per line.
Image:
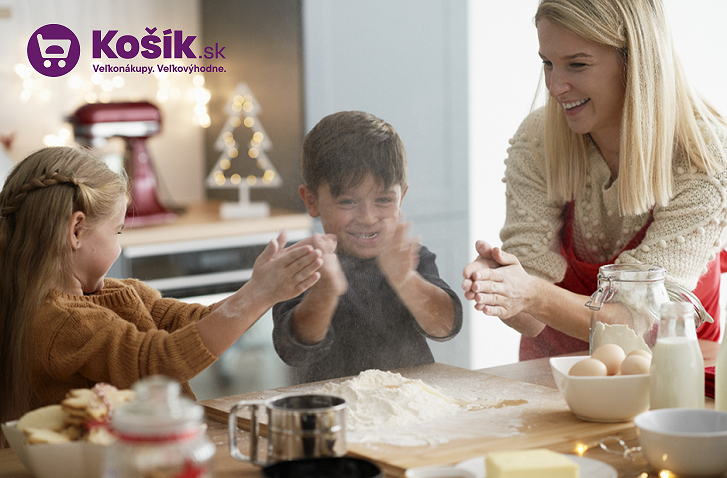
105,88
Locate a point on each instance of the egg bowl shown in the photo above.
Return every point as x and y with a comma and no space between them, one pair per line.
684,441
616,398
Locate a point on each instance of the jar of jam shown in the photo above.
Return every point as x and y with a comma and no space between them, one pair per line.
160,435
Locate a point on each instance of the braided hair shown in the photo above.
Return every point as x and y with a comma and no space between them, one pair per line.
44,181
37,202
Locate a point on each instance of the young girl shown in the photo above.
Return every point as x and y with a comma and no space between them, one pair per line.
64,326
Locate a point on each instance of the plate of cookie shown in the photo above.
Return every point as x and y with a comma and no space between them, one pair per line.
67,439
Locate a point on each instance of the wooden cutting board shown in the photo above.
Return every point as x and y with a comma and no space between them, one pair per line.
508,414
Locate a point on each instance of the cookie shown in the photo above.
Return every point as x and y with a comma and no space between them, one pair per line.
51,417
42,435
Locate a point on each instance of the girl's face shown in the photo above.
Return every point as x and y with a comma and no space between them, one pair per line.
356,215
97,249
586,78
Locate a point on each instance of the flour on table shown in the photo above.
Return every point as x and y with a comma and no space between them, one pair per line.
382,407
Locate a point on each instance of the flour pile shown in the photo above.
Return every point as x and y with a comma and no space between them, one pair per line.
381,405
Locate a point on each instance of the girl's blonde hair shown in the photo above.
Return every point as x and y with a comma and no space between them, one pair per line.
660,112
36,204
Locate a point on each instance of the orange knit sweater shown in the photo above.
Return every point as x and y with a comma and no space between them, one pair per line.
118,335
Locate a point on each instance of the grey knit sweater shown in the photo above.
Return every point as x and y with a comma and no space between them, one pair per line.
371,328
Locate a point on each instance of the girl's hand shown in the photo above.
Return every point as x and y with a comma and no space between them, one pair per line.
399,257
280,274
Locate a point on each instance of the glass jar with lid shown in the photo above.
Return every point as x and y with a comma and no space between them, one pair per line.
627,305
160,434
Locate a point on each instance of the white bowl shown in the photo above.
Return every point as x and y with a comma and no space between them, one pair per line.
618,398
684,441
64,460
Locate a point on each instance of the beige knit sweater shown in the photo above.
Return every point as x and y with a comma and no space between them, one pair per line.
118,335
684,236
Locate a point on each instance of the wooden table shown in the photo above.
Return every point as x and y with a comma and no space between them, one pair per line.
535,372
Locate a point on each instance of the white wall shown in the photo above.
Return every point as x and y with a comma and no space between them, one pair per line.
504,70
177,152
404,61
503,75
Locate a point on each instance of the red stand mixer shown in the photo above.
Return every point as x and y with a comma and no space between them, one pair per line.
134,122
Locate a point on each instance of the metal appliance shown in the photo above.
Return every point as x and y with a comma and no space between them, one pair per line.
134,122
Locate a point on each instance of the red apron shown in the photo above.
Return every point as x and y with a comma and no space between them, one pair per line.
582,278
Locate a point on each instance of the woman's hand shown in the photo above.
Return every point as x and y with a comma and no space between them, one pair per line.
483,261
497,283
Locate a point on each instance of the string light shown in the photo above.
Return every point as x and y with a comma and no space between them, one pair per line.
87,88
242,109
60,139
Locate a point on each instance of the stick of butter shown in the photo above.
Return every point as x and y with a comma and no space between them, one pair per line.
538,462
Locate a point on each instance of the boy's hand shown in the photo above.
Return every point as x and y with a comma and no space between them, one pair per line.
399,256
333,280
280,274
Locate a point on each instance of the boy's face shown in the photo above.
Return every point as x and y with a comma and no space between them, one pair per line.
356,215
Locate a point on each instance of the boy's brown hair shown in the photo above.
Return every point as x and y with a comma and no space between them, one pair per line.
343,147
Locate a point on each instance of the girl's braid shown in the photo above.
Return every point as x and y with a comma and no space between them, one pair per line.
43,181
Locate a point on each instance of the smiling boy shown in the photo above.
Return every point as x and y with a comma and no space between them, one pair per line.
380,296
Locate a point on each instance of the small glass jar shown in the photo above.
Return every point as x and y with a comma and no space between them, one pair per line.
160,435
677,365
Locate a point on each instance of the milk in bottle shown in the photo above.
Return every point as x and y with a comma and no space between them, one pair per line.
677,366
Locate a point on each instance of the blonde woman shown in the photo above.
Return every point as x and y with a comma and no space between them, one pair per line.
624,164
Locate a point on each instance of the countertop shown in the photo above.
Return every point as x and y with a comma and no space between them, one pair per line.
537,373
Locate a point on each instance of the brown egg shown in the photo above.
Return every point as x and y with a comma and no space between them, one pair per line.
636,364
643,353
611,355
589,367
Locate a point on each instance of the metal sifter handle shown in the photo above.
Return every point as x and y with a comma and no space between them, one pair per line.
254,432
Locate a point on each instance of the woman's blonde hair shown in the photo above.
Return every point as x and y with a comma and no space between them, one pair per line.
660,111
36,204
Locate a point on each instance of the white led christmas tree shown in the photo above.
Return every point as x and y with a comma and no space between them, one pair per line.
243,163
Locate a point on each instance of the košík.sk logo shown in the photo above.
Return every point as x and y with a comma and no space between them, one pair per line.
53,50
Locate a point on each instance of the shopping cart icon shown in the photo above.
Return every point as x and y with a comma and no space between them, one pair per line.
56,48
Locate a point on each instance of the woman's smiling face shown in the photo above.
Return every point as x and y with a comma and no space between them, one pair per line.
586,78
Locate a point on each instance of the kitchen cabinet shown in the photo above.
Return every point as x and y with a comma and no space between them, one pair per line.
200,254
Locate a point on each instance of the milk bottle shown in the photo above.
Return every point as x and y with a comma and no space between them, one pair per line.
677,366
